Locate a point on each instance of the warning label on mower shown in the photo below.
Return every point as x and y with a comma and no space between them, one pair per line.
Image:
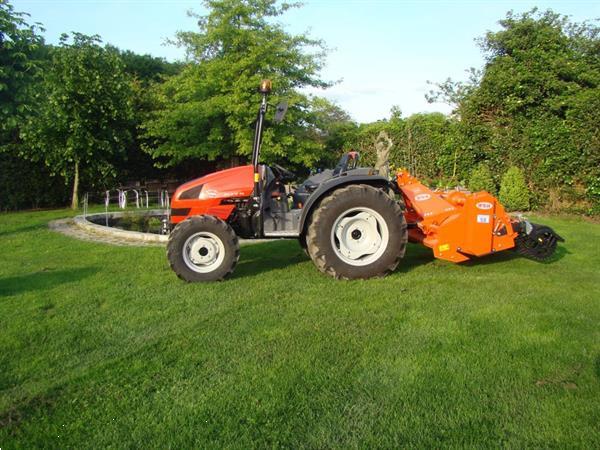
483,218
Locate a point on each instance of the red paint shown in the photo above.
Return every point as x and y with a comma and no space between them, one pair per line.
237,182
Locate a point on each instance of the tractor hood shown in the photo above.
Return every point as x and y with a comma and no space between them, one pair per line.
236,182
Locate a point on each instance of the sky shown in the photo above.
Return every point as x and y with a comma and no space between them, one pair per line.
382,52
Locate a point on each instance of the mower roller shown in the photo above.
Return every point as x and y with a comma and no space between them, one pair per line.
351,221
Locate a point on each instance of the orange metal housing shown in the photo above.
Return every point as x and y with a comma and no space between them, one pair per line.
455,224
212,189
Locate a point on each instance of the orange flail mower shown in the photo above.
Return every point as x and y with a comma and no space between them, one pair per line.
455,224
352,221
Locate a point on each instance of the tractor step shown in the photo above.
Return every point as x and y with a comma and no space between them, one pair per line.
282,234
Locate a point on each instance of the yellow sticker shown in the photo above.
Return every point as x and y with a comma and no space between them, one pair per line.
256,177
444,248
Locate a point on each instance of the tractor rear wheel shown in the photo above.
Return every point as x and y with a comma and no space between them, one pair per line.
203,248
357,232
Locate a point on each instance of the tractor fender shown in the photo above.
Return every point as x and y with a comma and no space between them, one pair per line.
334,183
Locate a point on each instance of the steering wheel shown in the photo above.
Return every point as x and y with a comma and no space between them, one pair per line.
344,162
282,173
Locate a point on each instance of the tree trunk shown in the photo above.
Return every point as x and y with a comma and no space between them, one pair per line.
75,198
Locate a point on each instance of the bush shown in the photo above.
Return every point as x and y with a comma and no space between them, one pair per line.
481,179
514,194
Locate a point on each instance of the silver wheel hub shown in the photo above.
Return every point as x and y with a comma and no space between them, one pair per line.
359,236
203,252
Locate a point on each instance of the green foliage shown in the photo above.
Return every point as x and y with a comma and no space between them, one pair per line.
331,128
536,104
363,139
146,68
514,194
144,72
27,184
423,143
481,179
83,115
20,50
426,145
208,109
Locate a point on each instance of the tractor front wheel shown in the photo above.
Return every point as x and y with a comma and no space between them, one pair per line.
203,248
357,232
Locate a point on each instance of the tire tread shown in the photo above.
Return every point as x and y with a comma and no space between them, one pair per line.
185,227
315,224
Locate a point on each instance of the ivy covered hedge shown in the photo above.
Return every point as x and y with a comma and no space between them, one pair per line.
535,105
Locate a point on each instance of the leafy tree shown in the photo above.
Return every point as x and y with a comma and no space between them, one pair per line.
332,127
534,104
144,71
208,109
454,92
21,48
22,51
146,68
83,114
482,180
514,194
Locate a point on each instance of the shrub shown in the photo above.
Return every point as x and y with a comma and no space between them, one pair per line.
514,194
481,179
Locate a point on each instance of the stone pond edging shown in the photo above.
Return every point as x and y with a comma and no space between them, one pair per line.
84,223
80,227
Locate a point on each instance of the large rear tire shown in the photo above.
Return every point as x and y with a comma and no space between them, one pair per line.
357,232
203,248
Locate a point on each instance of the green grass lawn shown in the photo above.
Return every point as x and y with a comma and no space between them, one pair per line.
102,346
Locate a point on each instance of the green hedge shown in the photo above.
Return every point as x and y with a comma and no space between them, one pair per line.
27,185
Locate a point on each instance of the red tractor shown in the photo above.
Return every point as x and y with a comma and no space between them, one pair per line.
352,222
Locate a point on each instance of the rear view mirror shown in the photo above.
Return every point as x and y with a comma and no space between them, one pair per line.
280,111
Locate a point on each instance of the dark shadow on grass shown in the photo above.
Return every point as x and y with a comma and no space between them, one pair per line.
508,255
493,258
44,279
278,254
261,258
256,259
22,411
25,229
560,253
416,255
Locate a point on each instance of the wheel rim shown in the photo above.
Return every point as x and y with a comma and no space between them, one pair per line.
203,252
359,236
